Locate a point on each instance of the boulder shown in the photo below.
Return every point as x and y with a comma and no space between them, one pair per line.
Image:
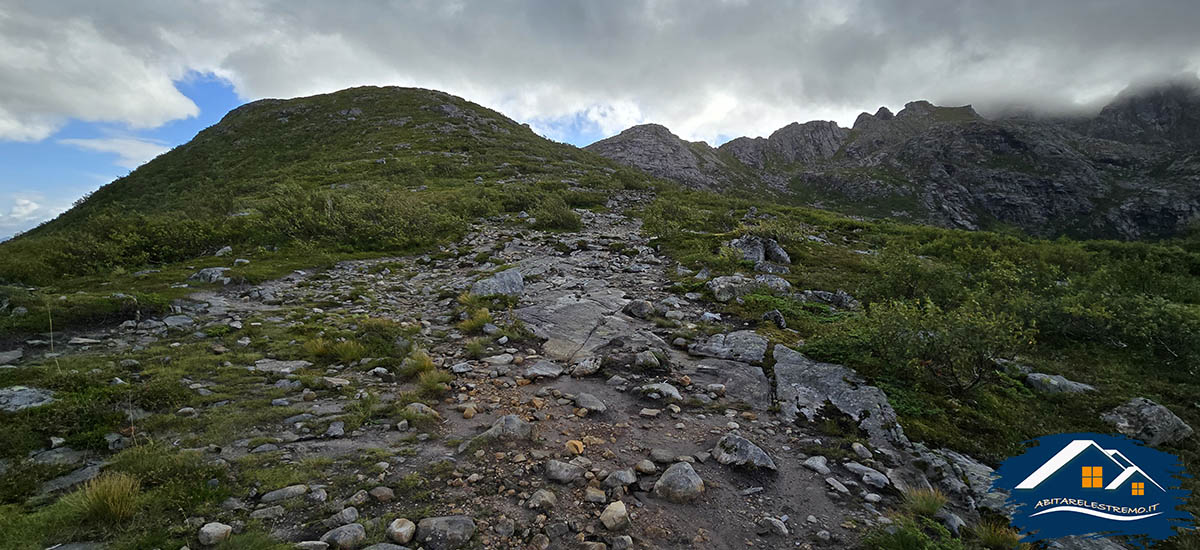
1148,421
667,391
291,491
508,283
275,366
776,253
214,533
679,483
751,248
736,450
804,386
868,475
615,517
211,275
346,537
542,499
445,533
563,472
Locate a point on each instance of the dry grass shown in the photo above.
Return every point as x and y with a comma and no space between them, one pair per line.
110,498
995,535
924,502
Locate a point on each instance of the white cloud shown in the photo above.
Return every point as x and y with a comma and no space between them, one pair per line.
131,152
703,69
23,211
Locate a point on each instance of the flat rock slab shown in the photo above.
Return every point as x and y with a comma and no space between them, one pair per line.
280,367
804,386
575,325
18,398
744,383
1053,383
11,356
70,480
742,345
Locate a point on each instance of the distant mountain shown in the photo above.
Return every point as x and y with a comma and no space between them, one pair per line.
1132,171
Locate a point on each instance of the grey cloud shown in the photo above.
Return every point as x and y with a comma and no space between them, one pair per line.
701,68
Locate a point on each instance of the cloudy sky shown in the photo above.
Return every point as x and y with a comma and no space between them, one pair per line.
90,90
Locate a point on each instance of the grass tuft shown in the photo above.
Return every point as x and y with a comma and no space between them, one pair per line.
996,535
924,502
110,498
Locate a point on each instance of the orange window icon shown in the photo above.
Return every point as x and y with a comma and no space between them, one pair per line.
1139,489
1093,477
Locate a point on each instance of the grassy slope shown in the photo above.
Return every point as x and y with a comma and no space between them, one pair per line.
295,183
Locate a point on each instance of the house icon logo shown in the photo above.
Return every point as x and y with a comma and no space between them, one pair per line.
1094,484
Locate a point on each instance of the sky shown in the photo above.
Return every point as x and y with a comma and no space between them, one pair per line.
90,90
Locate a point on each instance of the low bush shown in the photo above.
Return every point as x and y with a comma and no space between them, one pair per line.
553,213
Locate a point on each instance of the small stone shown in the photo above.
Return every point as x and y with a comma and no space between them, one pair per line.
290,491
563,472
383,494
542,499
595,495
818,464
270,512
615,517
401,531
214,533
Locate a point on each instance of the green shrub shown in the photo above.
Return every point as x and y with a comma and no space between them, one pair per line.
957,349
913,534
553,213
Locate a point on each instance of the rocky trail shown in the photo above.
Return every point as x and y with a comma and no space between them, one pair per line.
635,417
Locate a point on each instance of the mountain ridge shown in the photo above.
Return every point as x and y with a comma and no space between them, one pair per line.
1128,172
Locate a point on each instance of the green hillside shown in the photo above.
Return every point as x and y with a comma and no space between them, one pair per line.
363,169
